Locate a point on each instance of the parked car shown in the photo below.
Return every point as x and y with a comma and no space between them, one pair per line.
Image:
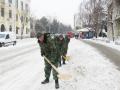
7,38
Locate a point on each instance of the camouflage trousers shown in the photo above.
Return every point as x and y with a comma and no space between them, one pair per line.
48,69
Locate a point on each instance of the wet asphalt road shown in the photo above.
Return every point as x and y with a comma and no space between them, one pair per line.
110,53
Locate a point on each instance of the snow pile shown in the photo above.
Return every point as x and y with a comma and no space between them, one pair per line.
108,44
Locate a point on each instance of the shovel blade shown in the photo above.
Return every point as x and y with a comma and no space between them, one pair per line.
67,58
64,76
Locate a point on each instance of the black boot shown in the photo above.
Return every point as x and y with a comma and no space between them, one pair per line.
60,64
45,81
56,84
63,60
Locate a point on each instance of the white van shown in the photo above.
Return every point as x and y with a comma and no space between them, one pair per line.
7,38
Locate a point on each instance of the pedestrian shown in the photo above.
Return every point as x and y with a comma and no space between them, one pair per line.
59,44
65,46
48,49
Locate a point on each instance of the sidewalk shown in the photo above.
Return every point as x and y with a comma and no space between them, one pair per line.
106,42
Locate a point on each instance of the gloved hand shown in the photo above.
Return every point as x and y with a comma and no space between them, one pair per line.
46,36
42,54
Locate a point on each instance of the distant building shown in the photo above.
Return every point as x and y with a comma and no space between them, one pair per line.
15,17
111,31
32,26
113,22
116,18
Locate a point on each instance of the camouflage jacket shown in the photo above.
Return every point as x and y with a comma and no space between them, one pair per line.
59,45
49,49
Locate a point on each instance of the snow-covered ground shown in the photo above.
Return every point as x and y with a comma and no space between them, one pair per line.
106,42
89,70
21,46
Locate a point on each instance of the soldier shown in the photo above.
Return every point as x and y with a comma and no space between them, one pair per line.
65,46
48,49
59,44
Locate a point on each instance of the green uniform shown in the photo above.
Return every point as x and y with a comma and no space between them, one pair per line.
49,50
65,46
59,45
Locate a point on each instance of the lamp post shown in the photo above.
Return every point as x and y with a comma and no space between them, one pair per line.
75,18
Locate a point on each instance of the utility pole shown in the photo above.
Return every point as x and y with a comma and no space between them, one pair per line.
74,21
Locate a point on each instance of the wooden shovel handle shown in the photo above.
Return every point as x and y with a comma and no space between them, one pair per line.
53,66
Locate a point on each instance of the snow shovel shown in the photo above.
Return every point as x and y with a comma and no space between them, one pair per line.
60,75
67,58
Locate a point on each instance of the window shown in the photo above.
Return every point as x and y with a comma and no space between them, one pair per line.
10,1
10,28
17,30
22,19
7,36
26,8
16,3
2,12
16,17
10,13
26,20
21,5
27,30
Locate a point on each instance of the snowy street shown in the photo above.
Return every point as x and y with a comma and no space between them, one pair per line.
22,67
109,52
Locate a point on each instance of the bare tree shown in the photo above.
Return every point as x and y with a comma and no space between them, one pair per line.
44,24
92,14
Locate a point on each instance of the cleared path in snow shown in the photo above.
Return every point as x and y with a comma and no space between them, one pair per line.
112,54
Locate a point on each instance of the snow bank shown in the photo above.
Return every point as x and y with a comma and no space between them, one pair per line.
106,42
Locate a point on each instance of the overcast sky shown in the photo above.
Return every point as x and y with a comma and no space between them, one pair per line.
63,10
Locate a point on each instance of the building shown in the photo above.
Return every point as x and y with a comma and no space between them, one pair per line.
32,26
113,22
15,17
116,18
110,32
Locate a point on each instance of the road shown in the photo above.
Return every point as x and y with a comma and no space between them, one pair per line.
112,54
22,68
17,64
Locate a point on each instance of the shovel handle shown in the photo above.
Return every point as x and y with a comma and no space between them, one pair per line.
53,66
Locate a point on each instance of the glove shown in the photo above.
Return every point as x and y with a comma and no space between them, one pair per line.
42,54
46,36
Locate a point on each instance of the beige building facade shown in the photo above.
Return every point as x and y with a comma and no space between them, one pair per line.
15,17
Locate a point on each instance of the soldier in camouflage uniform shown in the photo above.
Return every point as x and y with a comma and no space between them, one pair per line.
48,49
59,44
65,46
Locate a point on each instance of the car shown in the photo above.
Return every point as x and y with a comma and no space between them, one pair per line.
7,38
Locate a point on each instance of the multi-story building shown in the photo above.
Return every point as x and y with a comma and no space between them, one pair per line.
113,19
32,26
116,18
110,32
15,17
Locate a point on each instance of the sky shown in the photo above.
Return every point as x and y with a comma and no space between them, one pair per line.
62,10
